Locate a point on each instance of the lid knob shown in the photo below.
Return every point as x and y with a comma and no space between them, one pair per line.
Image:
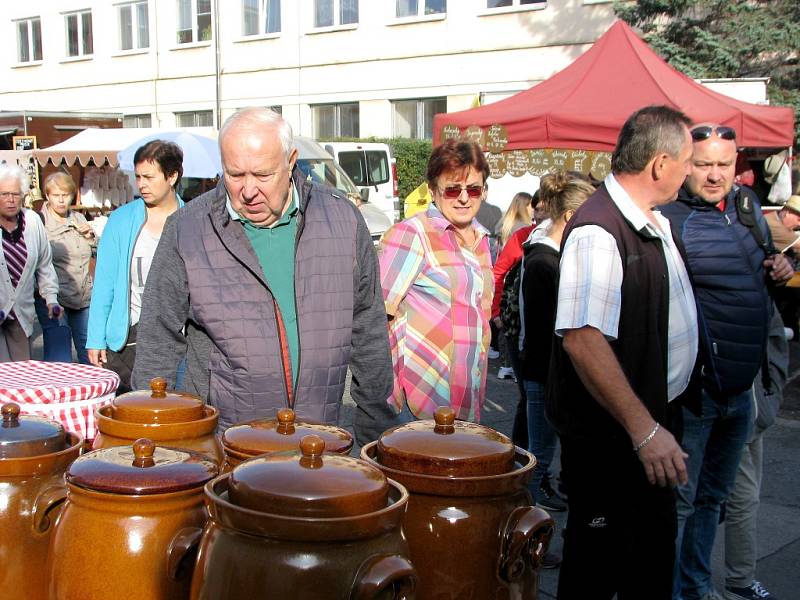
445,417
158,385
312,446
143,450
286,419
10,414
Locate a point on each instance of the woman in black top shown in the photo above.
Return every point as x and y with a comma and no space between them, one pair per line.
562,193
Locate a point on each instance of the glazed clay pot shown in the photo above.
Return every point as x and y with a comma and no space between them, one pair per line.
255,438
169,418
130,521
34,454
471,529
304,525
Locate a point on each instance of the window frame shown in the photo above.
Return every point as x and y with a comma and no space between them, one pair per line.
420,115
261,20
195,26
135,25
82,53
515,7
421,14
139,117
31,46
336,10
195,114
337,119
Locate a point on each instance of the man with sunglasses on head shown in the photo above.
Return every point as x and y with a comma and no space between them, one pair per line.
732,263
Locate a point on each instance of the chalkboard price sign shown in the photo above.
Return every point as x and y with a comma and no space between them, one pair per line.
24,142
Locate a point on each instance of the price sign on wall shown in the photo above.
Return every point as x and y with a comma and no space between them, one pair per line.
24,142
496,138
449,132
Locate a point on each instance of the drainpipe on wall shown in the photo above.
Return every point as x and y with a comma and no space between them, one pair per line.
217,74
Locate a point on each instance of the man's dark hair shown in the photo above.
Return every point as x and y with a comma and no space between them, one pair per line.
647,132
167,155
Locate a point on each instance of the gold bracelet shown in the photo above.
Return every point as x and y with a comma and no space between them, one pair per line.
648,439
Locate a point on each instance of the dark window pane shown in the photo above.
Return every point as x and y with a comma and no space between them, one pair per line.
125,27
406,8
348,11
36,26
88,44
497,3
531,1
353,164
184,30
72,35
323,13
23,45
249,17
203,28
273,17
348,120
435,7
143,26
377,167
324,121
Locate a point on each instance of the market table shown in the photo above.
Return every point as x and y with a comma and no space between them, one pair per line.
64,392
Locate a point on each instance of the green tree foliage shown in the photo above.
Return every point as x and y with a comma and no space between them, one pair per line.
726,38
412,159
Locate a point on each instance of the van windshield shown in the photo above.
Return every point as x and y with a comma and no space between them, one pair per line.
325,170
365,167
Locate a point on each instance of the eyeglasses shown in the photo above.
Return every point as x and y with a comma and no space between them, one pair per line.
704,132
7,195
451,192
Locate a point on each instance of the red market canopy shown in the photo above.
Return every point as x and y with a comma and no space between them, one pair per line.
584,105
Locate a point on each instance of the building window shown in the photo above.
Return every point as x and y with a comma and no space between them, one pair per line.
194,21
195,118
134,30
335,120
509,3
261,16
277,108
328,13
414,118
79,33
137,121
418,8
29,40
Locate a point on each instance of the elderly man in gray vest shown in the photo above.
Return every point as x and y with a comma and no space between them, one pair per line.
269,286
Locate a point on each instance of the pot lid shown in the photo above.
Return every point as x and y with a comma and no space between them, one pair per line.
446,447
283,433
141,469
157,405
28,435
308,483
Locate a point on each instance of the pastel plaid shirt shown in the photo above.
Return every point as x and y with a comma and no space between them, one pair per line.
440,296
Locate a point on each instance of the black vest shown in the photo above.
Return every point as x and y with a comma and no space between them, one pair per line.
641,344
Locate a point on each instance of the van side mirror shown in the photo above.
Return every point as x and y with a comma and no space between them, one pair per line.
364,191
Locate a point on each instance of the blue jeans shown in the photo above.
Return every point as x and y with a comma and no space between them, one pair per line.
714,443
58,335
541,435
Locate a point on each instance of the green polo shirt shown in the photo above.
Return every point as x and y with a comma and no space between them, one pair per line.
274,248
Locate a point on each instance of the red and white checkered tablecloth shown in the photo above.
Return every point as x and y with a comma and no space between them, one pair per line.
65,392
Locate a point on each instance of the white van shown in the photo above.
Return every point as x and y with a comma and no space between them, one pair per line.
370,165
319,166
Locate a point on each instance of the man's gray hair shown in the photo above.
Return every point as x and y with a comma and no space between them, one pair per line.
648,132
258,117
13,171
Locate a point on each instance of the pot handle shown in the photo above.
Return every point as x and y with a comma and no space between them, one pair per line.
48,500
383,572
525,540
181,548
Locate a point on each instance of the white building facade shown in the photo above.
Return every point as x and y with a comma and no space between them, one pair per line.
334,68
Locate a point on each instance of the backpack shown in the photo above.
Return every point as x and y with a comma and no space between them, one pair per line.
509,302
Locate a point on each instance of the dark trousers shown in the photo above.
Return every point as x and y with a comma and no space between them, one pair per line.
14,344
122,362
620,533
519,432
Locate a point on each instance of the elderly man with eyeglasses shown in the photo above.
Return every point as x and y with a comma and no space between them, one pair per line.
732,263
25,260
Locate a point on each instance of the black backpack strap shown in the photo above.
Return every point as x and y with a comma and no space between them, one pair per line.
746,211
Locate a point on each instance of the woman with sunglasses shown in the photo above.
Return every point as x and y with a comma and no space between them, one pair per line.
436,274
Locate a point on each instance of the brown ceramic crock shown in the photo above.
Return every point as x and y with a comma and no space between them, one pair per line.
169,418
471,529
248,440
34,454
132,517
304,525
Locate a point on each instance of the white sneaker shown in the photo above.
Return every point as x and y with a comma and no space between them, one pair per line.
493,353
506,373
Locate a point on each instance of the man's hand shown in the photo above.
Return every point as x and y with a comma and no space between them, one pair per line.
779,268
663,459
54,311
97,357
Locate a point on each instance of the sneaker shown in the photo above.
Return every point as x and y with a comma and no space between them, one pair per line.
551,560
493,353
755,591
506,373
548,498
